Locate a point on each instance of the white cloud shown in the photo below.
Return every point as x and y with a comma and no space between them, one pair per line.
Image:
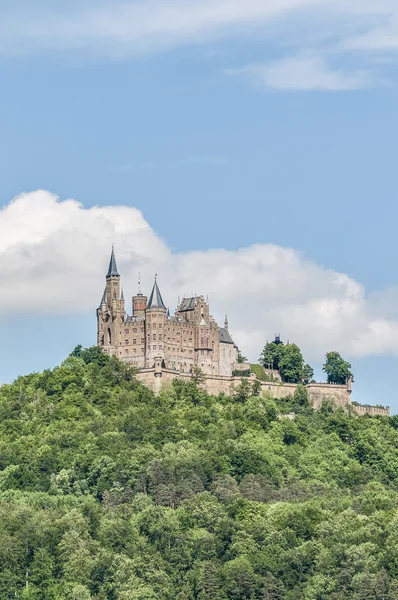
304,72
54,255
355,30
142,25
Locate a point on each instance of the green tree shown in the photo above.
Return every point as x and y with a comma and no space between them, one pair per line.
337,369
271,355
241,358
291,364
243,391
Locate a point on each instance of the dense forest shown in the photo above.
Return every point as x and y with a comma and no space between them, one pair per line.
108,492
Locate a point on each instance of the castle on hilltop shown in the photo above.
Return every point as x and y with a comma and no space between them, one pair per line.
190,338
165,347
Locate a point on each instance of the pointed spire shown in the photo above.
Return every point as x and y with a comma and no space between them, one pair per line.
122,296
168,313
103,301
155,299
226,322
112,271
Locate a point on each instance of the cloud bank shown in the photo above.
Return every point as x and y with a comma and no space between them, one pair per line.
54,255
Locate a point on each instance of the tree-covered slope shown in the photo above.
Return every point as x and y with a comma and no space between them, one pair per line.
107,492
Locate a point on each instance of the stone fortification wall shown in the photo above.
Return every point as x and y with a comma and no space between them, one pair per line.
371,410
158,379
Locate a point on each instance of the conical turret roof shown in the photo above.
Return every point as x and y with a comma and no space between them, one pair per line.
112,271
155,299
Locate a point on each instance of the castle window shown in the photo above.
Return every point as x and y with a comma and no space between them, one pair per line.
212,346
109,337
134,341
126,351
160,337
126,342
142,340
154,347
154,336
126,331
154,326
134,351
134,329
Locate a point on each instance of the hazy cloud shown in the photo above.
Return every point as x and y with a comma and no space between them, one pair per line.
54,255
355,30
304,72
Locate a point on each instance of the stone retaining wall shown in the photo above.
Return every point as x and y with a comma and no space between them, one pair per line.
158,379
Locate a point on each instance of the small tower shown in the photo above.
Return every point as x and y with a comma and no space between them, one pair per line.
111,311
155,324
226,323
139,301
112,280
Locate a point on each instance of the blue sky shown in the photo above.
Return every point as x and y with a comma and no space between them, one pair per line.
228,125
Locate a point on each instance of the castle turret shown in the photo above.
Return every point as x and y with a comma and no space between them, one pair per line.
139,301
111,311
155,299
156,316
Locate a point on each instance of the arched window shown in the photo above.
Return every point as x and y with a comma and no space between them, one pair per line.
212,346
109,337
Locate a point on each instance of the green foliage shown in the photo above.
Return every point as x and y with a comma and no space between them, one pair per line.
289,360
241,373
271,355
110,493
337,369
241,358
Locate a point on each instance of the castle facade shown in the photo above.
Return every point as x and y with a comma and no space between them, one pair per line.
165,347
190,338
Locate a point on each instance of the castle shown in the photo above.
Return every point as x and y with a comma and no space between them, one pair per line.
191,338
164,347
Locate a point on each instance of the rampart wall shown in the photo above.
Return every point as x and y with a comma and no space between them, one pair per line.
158,379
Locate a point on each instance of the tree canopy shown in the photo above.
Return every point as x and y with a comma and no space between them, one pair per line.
336,368
288,360
108,492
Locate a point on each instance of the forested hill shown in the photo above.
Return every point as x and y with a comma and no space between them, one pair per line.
107,492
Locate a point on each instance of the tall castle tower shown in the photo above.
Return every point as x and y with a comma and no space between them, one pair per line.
150,335
111,311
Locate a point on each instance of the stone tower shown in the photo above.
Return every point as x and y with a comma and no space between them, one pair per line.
156,316
110,313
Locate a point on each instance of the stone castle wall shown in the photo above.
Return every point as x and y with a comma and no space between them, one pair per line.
158,379
371,410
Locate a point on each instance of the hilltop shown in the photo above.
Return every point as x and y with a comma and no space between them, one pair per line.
110,492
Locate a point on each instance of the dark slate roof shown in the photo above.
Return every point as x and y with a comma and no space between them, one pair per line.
112,271
225,338
155,299
187,304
